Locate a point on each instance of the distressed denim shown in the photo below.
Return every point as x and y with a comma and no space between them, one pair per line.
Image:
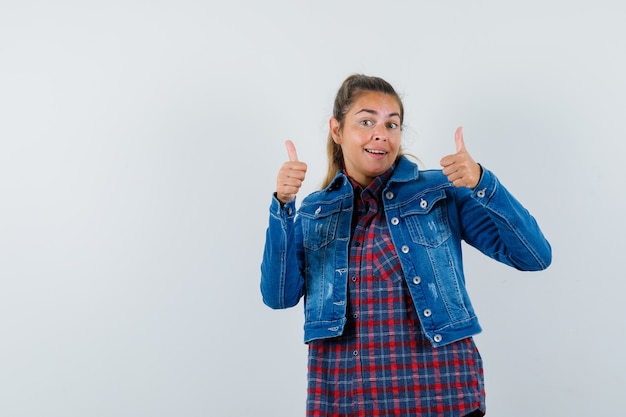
306,253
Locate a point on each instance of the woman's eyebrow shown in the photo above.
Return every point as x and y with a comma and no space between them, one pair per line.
374,112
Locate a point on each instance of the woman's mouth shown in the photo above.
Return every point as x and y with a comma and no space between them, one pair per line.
376,151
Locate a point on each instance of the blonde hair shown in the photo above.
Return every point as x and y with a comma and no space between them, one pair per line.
349,91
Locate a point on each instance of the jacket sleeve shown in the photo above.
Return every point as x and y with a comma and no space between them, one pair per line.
495,223
281,280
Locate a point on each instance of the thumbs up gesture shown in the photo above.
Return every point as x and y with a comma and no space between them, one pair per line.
290,175
460,168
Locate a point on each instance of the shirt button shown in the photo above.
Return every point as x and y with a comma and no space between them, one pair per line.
353,279
355,352
395,221
405,249
355,315
389,195
437,338
428,313
417,280
357,244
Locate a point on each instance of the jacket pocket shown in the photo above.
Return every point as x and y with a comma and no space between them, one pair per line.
319,224
427,219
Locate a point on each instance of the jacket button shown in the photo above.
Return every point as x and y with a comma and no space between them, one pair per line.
318,210
417,280
437,338
423,203
389,195
428,313
395,221
405,249
481,193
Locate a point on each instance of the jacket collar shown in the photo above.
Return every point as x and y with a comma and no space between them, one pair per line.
406,170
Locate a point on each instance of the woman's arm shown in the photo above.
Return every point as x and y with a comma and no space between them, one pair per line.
495,223
281,280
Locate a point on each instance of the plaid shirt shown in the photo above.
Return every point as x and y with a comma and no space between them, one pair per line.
383,365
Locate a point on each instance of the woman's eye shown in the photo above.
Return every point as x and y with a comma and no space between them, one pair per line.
366,122
392,125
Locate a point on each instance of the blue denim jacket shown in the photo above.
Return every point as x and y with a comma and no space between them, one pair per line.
307,254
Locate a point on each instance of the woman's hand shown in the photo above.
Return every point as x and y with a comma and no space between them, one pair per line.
290,175
460,168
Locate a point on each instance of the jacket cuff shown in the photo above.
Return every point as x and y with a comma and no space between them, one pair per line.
285,211
486,186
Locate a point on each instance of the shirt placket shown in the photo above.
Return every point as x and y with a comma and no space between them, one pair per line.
359,293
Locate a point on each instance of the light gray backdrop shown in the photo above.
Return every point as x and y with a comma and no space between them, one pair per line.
139,143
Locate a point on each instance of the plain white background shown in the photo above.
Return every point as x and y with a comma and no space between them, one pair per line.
139,143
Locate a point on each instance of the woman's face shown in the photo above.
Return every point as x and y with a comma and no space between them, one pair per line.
370,137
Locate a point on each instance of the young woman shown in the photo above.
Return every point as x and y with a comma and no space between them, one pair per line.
376,254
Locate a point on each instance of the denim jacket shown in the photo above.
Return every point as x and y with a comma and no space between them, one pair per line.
306,253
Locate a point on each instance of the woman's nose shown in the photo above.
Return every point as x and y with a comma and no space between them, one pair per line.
380,134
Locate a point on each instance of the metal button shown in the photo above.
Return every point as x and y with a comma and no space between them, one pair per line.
428,313
481,193
389,195
318,210
395,221
437,338
405,249
355,353
417,280
423,203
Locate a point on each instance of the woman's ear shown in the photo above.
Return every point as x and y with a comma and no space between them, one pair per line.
335,130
